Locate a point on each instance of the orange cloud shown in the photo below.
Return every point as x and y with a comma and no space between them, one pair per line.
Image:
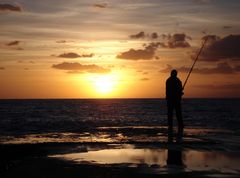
104,5
76,67
144,79
74,55
13,43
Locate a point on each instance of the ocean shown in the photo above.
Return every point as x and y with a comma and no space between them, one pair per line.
111,120
122,137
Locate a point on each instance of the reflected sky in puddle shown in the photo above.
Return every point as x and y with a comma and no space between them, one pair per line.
115,156
189,160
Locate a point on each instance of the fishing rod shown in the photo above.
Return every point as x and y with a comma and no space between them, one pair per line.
199,52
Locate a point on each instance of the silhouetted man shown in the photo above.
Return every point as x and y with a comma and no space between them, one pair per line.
174,92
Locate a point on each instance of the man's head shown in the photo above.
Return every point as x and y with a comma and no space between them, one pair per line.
174,73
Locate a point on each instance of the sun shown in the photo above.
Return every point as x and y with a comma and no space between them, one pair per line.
104,84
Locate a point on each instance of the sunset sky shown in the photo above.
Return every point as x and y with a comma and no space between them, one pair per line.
117,48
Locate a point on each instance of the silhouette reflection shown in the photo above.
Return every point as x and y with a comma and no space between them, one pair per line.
174,155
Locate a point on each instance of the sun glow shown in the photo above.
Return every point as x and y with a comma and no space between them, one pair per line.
110,85
104,84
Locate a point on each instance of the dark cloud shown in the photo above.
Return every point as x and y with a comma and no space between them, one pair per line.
76,67
138,35
13,43
2,68
154,35
19,48
211,38
31,62
61,41
154,45
178,40
203,1
220,49
104,5
227,27
144,79
142,35
221,68
164,36
74,55
69,55
87,55
64,41
137,54
10,7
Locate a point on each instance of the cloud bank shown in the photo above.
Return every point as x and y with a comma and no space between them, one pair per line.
233,86
140,54
177,40
221,49
221,68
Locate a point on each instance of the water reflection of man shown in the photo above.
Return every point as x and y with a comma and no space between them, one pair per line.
174,155
174,92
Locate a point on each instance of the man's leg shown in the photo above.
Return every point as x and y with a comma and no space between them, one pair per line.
170,115
179,116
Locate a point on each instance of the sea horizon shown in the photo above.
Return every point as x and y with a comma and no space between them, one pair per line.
116,98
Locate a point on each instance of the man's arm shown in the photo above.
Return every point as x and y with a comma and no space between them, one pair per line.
182,93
